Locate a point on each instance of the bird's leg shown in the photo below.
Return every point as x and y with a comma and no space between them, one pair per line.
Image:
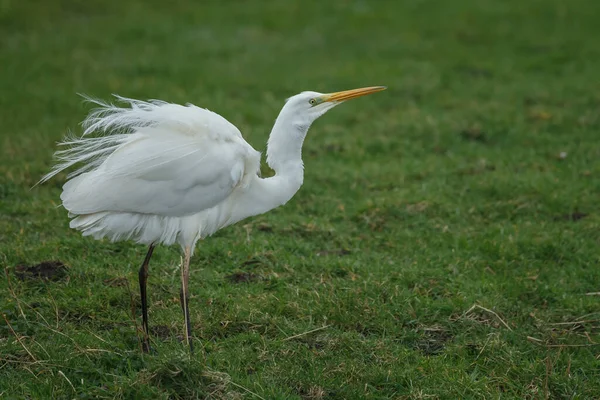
185,296
143,277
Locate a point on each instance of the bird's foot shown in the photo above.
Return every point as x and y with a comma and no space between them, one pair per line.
146,348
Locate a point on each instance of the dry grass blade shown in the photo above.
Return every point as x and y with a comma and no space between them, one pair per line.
12,293
18,338
477,306
226,380
306,333
579,322
540,342
67,379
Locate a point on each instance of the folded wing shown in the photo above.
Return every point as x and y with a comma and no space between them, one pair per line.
155,158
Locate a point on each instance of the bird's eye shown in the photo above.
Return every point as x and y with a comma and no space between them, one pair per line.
312,102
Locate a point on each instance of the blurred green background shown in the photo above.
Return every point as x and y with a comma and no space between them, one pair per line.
444,245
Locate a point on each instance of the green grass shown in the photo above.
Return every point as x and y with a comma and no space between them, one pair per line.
431,252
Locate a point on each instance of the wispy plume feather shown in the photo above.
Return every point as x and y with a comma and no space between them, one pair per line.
109,118
113,126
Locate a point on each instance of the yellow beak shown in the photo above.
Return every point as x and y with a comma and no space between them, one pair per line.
351,94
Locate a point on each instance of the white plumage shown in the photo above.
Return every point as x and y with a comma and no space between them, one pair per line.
164,173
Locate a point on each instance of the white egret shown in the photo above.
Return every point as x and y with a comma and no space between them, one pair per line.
162,173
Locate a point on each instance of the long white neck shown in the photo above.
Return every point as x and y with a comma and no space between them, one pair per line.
284,156
284,148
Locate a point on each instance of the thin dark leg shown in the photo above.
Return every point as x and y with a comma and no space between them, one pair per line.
143,276
184,297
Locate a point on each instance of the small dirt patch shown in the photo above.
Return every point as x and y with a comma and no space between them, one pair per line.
337,252
242,277
163,332
46,270
576,216
474,134
116,282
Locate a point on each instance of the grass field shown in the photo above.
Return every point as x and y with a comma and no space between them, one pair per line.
444,244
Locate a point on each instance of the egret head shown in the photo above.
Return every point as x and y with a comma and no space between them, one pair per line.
294,120
306,107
